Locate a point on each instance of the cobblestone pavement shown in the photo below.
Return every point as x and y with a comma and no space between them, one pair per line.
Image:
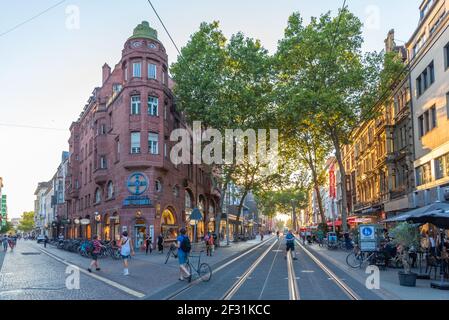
28,274
34,272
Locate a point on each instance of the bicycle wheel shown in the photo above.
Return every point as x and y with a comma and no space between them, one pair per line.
354,260
205,272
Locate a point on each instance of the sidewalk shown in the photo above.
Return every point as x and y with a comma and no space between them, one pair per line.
389,282
148,273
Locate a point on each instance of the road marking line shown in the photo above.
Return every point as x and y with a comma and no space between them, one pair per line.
102,279
293,289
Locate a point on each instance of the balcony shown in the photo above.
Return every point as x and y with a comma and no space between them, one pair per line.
73,193
101,176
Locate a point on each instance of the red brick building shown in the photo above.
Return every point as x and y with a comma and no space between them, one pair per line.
120,175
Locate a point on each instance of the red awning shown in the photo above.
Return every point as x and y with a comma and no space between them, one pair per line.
337,223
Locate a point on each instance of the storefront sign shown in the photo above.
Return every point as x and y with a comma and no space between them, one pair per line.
85,221
77,221
137,201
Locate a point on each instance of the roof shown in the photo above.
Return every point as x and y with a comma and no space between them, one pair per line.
144,30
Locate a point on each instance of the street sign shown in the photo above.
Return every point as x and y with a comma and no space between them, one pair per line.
368,238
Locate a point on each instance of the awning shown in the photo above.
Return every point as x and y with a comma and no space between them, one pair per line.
400,218
414,214
337,223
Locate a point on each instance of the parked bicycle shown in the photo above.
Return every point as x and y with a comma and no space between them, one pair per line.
358,258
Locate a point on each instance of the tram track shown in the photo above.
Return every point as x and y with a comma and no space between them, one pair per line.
193,284
343,286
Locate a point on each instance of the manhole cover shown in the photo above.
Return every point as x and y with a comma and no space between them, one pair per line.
31,253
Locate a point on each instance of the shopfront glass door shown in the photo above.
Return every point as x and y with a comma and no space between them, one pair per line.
140,234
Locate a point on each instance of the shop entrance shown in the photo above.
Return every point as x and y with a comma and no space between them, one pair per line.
140,232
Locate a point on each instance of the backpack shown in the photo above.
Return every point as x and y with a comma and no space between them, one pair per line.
185,245
90,247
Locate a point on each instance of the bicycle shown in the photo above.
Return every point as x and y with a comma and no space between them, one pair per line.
203,270
171,252
357,258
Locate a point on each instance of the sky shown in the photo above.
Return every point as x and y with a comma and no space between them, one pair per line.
50,65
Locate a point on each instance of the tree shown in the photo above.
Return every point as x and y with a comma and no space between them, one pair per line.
225,85
331,82
6,228
26,222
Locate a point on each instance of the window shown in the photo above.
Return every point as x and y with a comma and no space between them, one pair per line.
425,79
116,88
423,174
137,69
110,190
103,129
117,150
153,106
158,186
103,163
446,57
433,117
176,191
152,71
426,122
126,73
421,126
165,150
135,105
97,196
135,142
447,104
153,139
442,167
165,111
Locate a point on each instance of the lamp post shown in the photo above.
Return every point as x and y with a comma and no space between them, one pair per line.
293,202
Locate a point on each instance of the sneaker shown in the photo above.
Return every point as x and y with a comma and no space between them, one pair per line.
98,269
90,270
126,273
189,278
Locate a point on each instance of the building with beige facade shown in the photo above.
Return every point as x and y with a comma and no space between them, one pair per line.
428,50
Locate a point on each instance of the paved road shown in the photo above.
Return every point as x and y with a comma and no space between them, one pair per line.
254,271
269,279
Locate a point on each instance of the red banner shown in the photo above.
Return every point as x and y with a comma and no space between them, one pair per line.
332,183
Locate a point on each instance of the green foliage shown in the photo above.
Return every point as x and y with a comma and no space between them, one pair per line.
406,235
6,228
26,222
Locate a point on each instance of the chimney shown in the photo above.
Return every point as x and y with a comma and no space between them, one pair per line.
106,72
389,41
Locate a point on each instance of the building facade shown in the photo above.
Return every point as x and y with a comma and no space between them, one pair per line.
428,50
3,206
120,176
42,206
379,161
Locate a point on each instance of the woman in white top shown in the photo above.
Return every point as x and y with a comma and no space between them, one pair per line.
126,250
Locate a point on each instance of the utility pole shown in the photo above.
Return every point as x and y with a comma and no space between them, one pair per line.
294,215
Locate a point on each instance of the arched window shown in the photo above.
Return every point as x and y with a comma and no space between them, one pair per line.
110,190
158,186
176,191
97,196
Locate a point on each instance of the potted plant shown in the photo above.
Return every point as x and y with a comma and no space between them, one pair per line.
407,237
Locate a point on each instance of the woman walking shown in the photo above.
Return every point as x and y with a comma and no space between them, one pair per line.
126,251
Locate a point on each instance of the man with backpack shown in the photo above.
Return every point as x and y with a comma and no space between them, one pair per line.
95,249
184,248
290,242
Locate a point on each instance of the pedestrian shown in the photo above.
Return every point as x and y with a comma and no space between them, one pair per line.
45,241
160,243
61,238
261,236
209,239
184,248
290,244
148,244
277,234
433,248
126,251
96,249
5,242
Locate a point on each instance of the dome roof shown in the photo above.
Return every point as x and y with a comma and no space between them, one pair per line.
144,30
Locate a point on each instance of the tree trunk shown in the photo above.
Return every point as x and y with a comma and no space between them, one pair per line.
344,204
239,208
316,186
222,204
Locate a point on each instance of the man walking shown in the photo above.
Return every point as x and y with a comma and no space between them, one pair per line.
95,252
148,244
160,243
184,248
5,242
